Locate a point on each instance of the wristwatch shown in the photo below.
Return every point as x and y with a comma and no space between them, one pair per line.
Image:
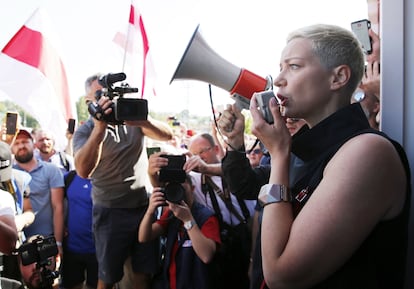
272,193
189,224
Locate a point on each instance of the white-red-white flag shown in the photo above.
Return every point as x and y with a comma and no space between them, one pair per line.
32,75
137,63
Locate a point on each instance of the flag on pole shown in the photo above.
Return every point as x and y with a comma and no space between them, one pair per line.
32,75
137,63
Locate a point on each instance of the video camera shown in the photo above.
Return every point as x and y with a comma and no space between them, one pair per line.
38,251
173,176
122,108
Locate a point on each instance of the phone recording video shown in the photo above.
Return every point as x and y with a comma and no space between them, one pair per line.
360,29
11,123
71,125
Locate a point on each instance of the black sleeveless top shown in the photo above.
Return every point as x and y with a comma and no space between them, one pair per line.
380,261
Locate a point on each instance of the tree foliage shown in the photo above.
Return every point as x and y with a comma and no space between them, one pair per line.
194,122
26,119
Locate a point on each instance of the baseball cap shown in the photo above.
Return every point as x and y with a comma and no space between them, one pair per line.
5,162
23,132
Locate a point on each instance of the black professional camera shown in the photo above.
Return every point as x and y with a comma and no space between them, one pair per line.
122,108
173,176
38,251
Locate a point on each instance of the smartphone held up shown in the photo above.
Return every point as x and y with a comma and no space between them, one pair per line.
71,125
360,29
11,123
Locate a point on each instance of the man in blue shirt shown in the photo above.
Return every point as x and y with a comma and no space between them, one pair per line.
46,189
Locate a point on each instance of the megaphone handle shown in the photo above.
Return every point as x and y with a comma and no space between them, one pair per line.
240,101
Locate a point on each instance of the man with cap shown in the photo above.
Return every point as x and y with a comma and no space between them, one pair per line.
46,189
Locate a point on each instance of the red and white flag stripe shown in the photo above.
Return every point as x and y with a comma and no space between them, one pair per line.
137,59
33,76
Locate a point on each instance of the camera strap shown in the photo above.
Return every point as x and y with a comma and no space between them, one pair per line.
213,189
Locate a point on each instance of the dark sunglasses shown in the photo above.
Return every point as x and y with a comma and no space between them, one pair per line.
255,151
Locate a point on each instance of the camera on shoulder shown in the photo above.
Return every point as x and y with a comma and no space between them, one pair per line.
123,109
173,176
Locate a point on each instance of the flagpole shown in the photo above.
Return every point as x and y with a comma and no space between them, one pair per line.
131,14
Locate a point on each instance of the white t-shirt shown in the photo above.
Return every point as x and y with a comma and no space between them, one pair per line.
7,204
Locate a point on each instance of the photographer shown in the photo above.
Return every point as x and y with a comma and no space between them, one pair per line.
113,156
37,261
211,191
195,247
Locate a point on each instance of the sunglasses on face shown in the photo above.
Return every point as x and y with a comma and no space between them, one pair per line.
255,151
202,151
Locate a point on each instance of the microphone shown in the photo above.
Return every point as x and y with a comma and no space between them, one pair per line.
110,78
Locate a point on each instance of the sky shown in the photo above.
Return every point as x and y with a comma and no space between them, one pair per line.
248,34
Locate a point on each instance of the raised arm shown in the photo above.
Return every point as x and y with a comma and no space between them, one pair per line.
87,157
237,171
8,236
152,128
204,247
149,229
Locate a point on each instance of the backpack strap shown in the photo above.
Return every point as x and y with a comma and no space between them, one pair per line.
68,179
64,160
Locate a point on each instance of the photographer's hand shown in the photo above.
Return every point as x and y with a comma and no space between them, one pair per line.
376,47
155,163
153,128
181,211
196,164
148,228
204,247
156,200
88,156
371,80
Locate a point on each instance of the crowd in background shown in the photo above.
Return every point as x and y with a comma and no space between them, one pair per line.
123,214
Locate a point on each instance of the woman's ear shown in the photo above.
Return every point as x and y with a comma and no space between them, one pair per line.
340,76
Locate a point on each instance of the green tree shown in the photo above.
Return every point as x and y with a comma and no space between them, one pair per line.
82,110
27,120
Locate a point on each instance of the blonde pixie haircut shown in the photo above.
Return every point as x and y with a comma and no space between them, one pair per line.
335,46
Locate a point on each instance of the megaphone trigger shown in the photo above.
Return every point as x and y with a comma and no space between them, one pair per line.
241,101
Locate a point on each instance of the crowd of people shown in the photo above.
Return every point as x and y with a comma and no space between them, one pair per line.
317,199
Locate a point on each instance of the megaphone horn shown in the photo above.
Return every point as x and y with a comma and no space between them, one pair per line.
200,62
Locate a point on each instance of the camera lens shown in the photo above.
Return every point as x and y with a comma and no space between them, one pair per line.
174,192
